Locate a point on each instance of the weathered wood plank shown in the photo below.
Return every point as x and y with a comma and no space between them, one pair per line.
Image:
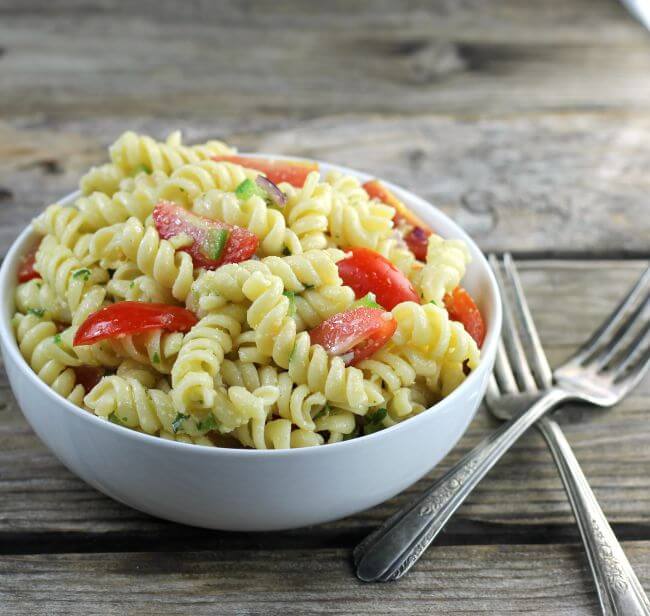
464,580
292,59
553,183
521,500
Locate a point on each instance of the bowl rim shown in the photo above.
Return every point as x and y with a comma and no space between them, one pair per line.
10,345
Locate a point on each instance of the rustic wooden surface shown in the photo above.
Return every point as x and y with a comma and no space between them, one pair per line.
528,122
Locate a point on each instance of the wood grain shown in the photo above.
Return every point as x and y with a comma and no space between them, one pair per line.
496,580
543,185
44,507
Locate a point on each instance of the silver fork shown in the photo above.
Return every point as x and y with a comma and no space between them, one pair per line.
602,372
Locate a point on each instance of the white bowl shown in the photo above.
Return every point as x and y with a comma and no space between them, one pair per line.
234,489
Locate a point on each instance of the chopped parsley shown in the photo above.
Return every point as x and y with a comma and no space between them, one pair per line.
57,339
37,312
132,284
434,302
178,422
156,358
376,417
309,286
82,273
113,418
39,285
209,423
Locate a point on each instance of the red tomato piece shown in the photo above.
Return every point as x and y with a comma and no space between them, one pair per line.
377,190
88,376
417,239
124,318
215,243
355,334
462,308
366,271
26,269
293,172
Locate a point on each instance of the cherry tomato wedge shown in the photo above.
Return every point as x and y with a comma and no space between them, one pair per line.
88,376
377,190
366,271
293,172
124,318
417,239
355,334
26,269
462,308
214,243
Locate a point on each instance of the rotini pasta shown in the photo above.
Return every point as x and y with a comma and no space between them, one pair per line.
133,152
270,350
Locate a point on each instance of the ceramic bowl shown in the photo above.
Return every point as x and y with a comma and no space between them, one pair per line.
245,490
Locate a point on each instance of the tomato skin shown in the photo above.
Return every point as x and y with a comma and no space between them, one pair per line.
357,333
88,376
171,219
293,172
377,190
124,318
26,271
366,271
462,308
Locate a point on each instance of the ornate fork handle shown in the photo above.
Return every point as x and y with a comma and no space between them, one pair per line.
397,545
619,590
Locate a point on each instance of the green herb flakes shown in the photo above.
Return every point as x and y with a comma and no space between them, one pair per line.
209,423
156,358
376,417
57,339
37,312
82,273
178,422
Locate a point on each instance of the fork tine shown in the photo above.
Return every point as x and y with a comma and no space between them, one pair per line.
510,336
630,354
503,372
612,321
614,346
536,356
629,381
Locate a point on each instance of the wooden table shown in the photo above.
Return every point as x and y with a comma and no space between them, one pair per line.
528,122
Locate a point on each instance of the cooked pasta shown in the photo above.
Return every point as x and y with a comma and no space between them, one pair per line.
133,153
208,301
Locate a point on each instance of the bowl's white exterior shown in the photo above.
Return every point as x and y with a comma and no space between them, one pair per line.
233,489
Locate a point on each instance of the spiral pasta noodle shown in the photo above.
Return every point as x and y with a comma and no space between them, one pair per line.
307,211
104,178
188,182
35,339
445,266
157,258
132,152
200,356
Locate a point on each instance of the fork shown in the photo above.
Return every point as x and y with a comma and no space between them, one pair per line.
602,372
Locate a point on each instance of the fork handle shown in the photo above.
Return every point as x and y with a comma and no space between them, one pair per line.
619,590
398,544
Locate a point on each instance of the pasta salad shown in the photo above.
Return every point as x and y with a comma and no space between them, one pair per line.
222,300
